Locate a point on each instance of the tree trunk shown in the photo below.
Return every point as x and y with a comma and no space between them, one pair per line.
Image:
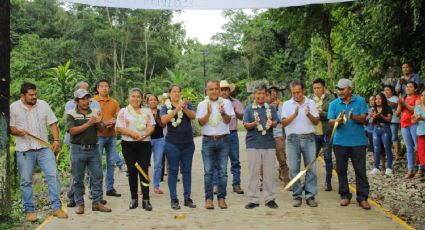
5,200
114,51
146,58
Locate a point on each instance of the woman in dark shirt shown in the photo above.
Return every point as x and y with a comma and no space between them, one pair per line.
158,142
179,145
381,116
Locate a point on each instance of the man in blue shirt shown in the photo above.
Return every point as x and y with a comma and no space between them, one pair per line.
350,141
408,75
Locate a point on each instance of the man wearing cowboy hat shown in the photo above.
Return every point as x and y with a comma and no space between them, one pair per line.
226,89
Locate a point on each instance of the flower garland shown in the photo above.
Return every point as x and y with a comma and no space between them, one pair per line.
214,121
174,122
260,127
140,119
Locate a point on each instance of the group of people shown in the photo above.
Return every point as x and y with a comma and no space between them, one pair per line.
298,128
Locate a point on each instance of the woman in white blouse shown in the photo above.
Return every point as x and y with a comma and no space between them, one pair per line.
136,124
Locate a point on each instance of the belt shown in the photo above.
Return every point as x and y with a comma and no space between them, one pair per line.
87,146
234,131
216,137
303,135
382,124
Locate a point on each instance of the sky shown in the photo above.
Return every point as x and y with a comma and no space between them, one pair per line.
201,24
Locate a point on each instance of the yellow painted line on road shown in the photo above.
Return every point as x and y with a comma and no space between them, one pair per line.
377,205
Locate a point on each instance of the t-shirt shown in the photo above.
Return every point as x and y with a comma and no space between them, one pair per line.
395,118
76,118
420,128
159,131
110,108
182,134
254,138
406,115
129,121
210,128
385,111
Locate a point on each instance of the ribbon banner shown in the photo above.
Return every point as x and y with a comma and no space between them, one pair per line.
200,4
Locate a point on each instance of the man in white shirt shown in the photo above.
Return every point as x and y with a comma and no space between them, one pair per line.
299,116
214,115
30,115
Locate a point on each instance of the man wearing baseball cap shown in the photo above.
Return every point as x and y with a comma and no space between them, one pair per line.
350,142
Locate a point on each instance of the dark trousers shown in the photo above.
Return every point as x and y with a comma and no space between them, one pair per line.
140,152
357,154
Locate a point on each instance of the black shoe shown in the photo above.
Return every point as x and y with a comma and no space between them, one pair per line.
272,204
146,205
103,202
71,204
189,203
134,203
311,202
251,205
175,204
112,192
328,186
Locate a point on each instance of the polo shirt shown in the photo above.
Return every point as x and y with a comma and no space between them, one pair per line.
221,128
110,108
76,118
350,134
254,138
301,124
182,134
415,78
34,120
238,107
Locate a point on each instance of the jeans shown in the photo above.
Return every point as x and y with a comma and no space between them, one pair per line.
82,158
158,153
382,136
179,155
214,155
118,161
394,131
410,140
358,159
235,167
110,145
26,162
324,141
305,145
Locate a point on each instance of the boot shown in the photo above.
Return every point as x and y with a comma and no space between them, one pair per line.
60,214
31,216
79,209
409,175
100,207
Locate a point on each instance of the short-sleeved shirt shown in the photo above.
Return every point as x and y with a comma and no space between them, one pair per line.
254,138
385,111
71,105
420,128
34,121
182,134
301,124
221,128
74,119
351,133
110,108
395,118
278,130
128,121
406,115
238,107
415,78
159,131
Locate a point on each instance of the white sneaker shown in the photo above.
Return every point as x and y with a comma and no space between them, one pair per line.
388,172
374,172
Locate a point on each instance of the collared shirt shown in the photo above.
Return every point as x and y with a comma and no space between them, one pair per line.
34,120
110,108
420,129
254,138
76,118
278,130
128,121
415,78
351,133
221,128
182,134
301,124
94,105
238,107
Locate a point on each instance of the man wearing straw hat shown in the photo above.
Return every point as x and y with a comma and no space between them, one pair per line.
29,117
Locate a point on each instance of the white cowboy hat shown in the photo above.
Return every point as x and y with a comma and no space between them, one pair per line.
225,84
